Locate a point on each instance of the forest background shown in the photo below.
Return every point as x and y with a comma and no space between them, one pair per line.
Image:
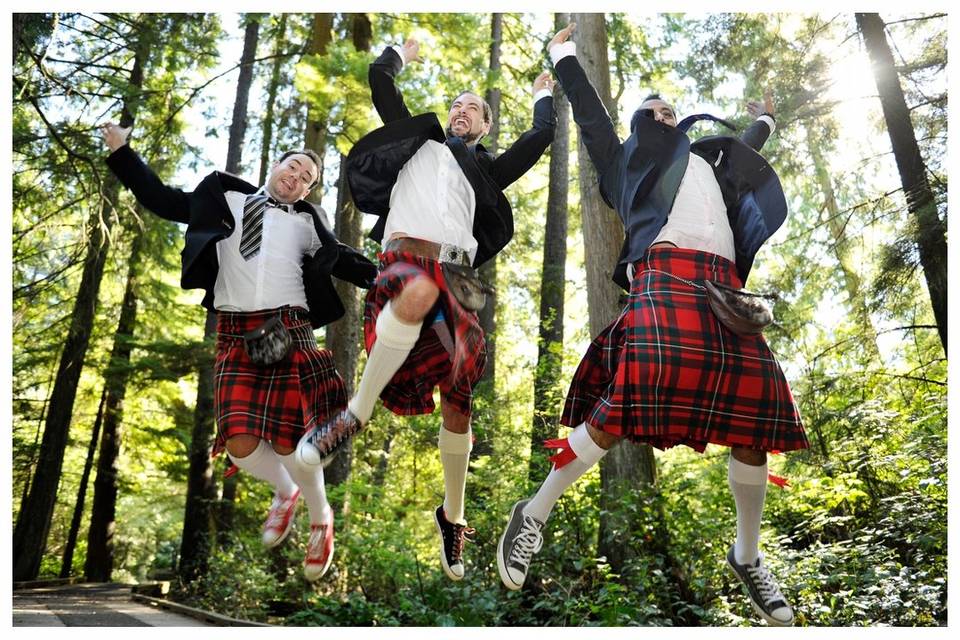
111,393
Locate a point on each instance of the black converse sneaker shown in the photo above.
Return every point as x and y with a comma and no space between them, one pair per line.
452,536
764,592
520,540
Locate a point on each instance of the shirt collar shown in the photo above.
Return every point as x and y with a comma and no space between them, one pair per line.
289,208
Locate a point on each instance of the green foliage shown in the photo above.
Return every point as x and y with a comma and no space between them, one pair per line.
858,537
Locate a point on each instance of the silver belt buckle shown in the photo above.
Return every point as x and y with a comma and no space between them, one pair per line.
451,253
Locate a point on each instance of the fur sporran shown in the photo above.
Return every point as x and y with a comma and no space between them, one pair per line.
743,312
269,343
466,285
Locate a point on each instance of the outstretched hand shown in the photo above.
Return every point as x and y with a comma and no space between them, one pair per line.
543,81
756,109
563,35
114,135
411,51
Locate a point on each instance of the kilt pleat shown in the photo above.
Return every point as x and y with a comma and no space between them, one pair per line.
430,364
667,372
279,402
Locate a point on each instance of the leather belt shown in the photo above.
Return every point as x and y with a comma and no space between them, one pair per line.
442,252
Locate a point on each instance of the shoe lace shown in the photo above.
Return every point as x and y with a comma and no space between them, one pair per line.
278,511
529,541
461,533
766,584
315,544
328,436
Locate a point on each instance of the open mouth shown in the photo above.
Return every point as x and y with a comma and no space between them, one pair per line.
463,122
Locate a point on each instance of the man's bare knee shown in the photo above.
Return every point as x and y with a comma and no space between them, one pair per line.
242,445
282,449
415,300
453,420
751,457
602,439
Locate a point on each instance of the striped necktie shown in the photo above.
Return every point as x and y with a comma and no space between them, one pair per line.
253,210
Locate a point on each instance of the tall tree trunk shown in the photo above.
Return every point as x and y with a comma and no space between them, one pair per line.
315,136
343,336
195,542
546,392
238,130
99,563
837,227
238,126
33,521
626,467
930,230
66,567
272,88
488,272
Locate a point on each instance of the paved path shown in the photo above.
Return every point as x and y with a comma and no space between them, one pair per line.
90,605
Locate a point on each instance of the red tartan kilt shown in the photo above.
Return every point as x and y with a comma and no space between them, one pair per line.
430,364
276,403
667,372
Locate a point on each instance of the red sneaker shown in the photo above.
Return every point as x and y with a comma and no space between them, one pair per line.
280,519
319,549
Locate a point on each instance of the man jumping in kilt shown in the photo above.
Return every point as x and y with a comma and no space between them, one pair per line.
440,199
667,372
264,257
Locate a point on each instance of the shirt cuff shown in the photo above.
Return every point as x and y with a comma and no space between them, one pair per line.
399,51
770,122
543,93
562,50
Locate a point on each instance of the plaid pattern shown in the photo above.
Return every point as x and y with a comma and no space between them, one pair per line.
455,368
666,372
277,403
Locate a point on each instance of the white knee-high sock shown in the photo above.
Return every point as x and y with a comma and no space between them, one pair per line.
264,463
312,488
748,483
455,457
588,453
395,339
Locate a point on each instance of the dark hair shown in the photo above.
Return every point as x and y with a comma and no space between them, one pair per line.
310,153
652,96
487,111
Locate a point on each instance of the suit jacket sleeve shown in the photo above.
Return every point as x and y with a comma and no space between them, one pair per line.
596,128
524,153
756,135
167,202
387,99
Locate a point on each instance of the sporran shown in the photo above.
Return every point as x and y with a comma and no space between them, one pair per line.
269,343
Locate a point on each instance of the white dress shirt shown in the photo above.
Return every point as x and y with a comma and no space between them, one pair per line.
698,219
274,277
432,198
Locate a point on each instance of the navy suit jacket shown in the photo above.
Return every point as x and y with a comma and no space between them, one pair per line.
640,176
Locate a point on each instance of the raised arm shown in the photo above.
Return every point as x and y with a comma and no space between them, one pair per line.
596,128
524,153
387,99
167,202
762,128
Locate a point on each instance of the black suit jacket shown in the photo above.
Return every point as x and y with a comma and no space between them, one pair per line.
376,159
207,216
640,176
